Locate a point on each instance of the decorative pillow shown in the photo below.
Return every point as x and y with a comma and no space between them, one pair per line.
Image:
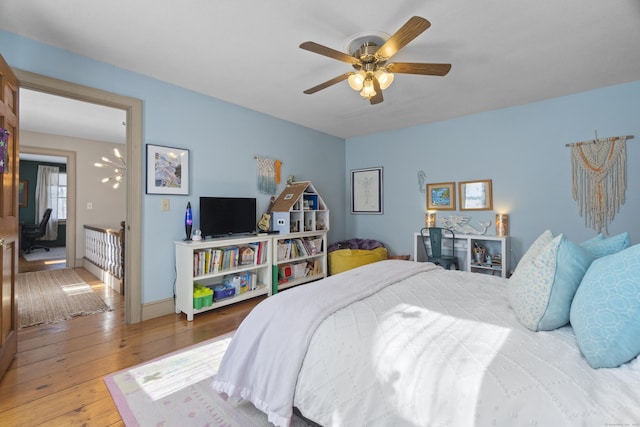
536,247
605,313
600,246
594,239
542,287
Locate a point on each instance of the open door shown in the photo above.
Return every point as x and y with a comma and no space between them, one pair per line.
9,240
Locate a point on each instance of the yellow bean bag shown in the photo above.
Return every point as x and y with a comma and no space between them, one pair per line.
345,259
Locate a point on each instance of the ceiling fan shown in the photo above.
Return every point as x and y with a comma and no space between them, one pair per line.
373,74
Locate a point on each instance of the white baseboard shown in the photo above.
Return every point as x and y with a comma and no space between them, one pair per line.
158,308
113,282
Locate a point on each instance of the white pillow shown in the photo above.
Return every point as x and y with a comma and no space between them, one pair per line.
543,286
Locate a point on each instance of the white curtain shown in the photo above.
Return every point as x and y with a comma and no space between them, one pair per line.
47,197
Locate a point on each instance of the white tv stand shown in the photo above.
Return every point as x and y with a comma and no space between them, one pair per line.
187,275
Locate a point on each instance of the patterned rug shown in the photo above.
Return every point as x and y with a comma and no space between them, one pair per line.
54,295
175,390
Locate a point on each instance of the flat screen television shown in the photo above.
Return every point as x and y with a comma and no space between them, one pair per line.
223,216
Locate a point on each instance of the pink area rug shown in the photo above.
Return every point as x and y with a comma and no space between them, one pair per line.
175,390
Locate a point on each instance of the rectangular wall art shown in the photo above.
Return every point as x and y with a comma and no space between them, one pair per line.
441,196
167,170
366,191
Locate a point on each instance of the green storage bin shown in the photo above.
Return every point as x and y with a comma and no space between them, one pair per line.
202,296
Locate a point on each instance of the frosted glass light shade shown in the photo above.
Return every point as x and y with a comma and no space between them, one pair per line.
367,90
356,81
385,79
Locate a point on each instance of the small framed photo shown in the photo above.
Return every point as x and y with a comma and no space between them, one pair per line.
167,170
441,196
366,191
476,195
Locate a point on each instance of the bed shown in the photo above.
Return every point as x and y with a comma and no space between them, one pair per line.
402,343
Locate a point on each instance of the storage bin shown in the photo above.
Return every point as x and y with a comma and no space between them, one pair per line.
299,270
223,291
202,297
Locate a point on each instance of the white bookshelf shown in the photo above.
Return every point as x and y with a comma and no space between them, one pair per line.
188,273
301,263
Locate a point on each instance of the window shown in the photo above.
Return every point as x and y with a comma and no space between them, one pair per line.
62,196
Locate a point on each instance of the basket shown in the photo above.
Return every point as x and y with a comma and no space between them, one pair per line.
299,270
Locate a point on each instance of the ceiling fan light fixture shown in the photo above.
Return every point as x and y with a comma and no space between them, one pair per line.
368,54
384,78
368,91
356,80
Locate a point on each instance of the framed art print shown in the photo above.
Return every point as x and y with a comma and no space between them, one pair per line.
366,191
167,170
441,196
476,195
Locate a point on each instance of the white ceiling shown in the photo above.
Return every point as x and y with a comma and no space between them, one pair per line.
45,113
246,52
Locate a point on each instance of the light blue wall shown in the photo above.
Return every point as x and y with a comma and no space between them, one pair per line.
222,138
522,149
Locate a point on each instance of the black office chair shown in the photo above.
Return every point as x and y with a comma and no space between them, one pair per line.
435,239
33,232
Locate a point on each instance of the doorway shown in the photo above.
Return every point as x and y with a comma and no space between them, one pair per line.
133,108
57,255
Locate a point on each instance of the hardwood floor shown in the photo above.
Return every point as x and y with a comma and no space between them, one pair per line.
57,376
25,266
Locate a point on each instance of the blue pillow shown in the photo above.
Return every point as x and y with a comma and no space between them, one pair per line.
542,287
605,313
600,246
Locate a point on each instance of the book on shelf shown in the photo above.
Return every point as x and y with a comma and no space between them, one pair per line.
298,247
257,252
214,260
260,252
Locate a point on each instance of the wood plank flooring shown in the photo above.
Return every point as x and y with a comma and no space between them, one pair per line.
57,376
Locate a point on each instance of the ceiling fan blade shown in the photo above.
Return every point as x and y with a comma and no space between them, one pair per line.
328,83
331,53
409,31
377,98
418,68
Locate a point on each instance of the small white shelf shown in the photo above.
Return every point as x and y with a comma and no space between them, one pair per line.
463,249
319,258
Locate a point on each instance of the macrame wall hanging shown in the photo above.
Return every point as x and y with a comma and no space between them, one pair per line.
268,174
598,179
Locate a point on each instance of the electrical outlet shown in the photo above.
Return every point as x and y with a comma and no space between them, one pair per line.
89,205
165,205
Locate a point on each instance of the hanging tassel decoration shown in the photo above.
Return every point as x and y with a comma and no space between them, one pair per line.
267,175
599,180
278,164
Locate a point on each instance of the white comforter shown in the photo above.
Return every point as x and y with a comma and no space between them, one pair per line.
437,348
444,349
262,361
